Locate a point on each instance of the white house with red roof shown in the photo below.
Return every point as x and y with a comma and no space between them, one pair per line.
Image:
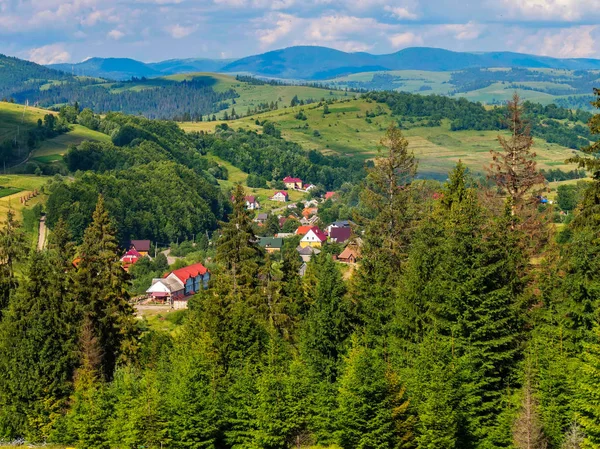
178,285
281,196
292,183
252,203
314,237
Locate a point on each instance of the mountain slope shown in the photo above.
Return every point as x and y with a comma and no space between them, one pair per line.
319,63
110,68
175,66
17,75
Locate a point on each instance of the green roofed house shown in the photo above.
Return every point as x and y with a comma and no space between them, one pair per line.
271,244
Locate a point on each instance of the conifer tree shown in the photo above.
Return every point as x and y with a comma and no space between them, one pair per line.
237,249
588,405
100,290
373,412
514,169
527,430
13,248
387,220
37,352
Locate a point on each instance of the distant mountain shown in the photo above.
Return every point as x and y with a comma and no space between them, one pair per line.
110,68
320,63
125,68
18,76
174,66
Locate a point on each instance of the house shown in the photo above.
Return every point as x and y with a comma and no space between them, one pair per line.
307,252
309,211
350,255
329,195
314,237
309,187
302,230
251,203
177,286
261,218
129,258
339,224
271,244
281,196
309,221
292,183
141,246
339,235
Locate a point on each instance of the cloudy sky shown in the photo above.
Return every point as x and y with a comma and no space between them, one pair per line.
50,31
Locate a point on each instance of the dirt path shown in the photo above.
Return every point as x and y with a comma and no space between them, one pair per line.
43,234
170,259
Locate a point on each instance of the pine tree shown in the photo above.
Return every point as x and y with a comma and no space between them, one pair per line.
37,352
588,405
373,412
13,248
386,217
100,290
237,250
514,170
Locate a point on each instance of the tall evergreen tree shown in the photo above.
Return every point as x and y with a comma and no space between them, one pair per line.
37,352
588,405
13,248
100,290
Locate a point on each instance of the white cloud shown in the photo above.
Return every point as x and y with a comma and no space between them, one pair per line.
179,31
403,40
284,24
116,34
576,42
332,28
401,12
49,54
465,31
561,10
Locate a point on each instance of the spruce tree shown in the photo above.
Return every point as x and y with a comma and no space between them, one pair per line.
13,248
37,351
373,412
588,405
100,290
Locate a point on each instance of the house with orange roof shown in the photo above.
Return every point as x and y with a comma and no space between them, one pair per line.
329,195
177,286
302,230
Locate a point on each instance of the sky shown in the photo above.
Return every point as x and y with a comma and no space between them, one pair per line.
53,31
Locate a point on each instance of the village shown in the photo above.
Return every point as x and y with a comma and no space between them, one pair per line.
297,224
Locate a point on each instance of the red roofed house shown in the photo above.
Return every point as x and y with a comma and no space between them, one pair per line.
314,237
141,246
177,286
251,203
339,235
130,257
330,195
292,183
281,196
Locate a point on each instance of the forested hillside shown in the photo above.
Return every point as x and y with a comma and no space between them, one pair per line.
469,321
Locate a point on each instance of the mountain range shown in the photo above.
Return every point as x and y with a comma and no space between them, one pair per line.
312,63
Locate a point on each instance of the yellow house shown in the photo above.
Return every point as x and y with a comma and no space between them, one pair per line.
314,238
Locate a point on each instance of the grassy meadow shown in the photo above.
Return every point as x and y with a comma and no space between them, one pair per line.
22,185
346,132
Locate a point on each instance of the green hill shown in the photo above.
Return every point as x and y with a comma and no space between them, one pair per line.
18,76
346,131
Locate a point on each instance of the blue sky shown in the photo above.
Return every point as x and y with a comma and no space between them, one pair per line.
50,31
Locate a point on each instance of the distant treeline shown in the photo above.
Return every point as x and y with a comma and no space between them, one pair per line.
186,100
545,121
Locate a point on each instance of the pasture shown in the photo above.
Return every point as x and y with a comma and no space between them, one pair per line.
20,185
346,132
53,149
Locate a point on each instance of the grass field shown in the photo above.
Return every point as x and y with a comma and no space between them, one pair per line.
345,132
22,184
52,150
16,120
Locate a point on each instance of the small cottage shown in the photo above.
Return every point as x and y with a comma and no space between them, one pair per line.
141,246
129,258
280,196
307,252
271,244
350,255
292,183
339,235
